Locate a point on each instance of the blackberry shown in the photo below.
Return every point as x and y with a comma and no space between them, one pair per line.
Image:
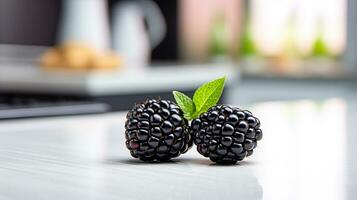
157,130
226,134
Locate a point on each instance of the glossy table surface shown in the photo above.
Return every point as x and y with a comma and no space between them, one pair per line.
308,152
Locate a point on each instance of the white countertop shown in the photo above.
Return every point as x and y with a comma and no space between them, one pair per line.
308,152
30,78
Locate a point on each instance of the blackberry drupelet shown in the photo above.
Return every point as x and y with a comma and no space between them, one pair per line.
157,130
226,134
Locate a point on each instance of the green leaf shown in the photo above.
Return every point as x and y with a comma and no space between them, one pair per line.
208,95
185,103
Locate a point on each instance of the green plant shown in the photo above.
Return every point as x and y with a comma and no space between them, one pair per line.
204,98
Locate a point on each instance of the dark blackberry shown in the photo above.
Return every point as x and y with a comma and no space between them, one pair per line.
157,130
226,134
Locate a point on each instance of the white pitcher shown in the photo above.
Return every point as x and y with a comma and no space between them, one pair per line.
131,38
85,21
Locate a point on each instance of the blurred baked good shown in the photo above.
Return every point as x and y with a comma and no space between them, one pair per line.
79,56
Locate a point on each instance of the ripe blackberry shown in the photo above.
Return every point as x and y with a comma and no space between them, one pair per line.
226,134
157,130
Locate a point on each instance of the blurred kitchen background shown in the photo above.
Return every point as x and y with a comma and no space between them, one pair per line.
64,57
